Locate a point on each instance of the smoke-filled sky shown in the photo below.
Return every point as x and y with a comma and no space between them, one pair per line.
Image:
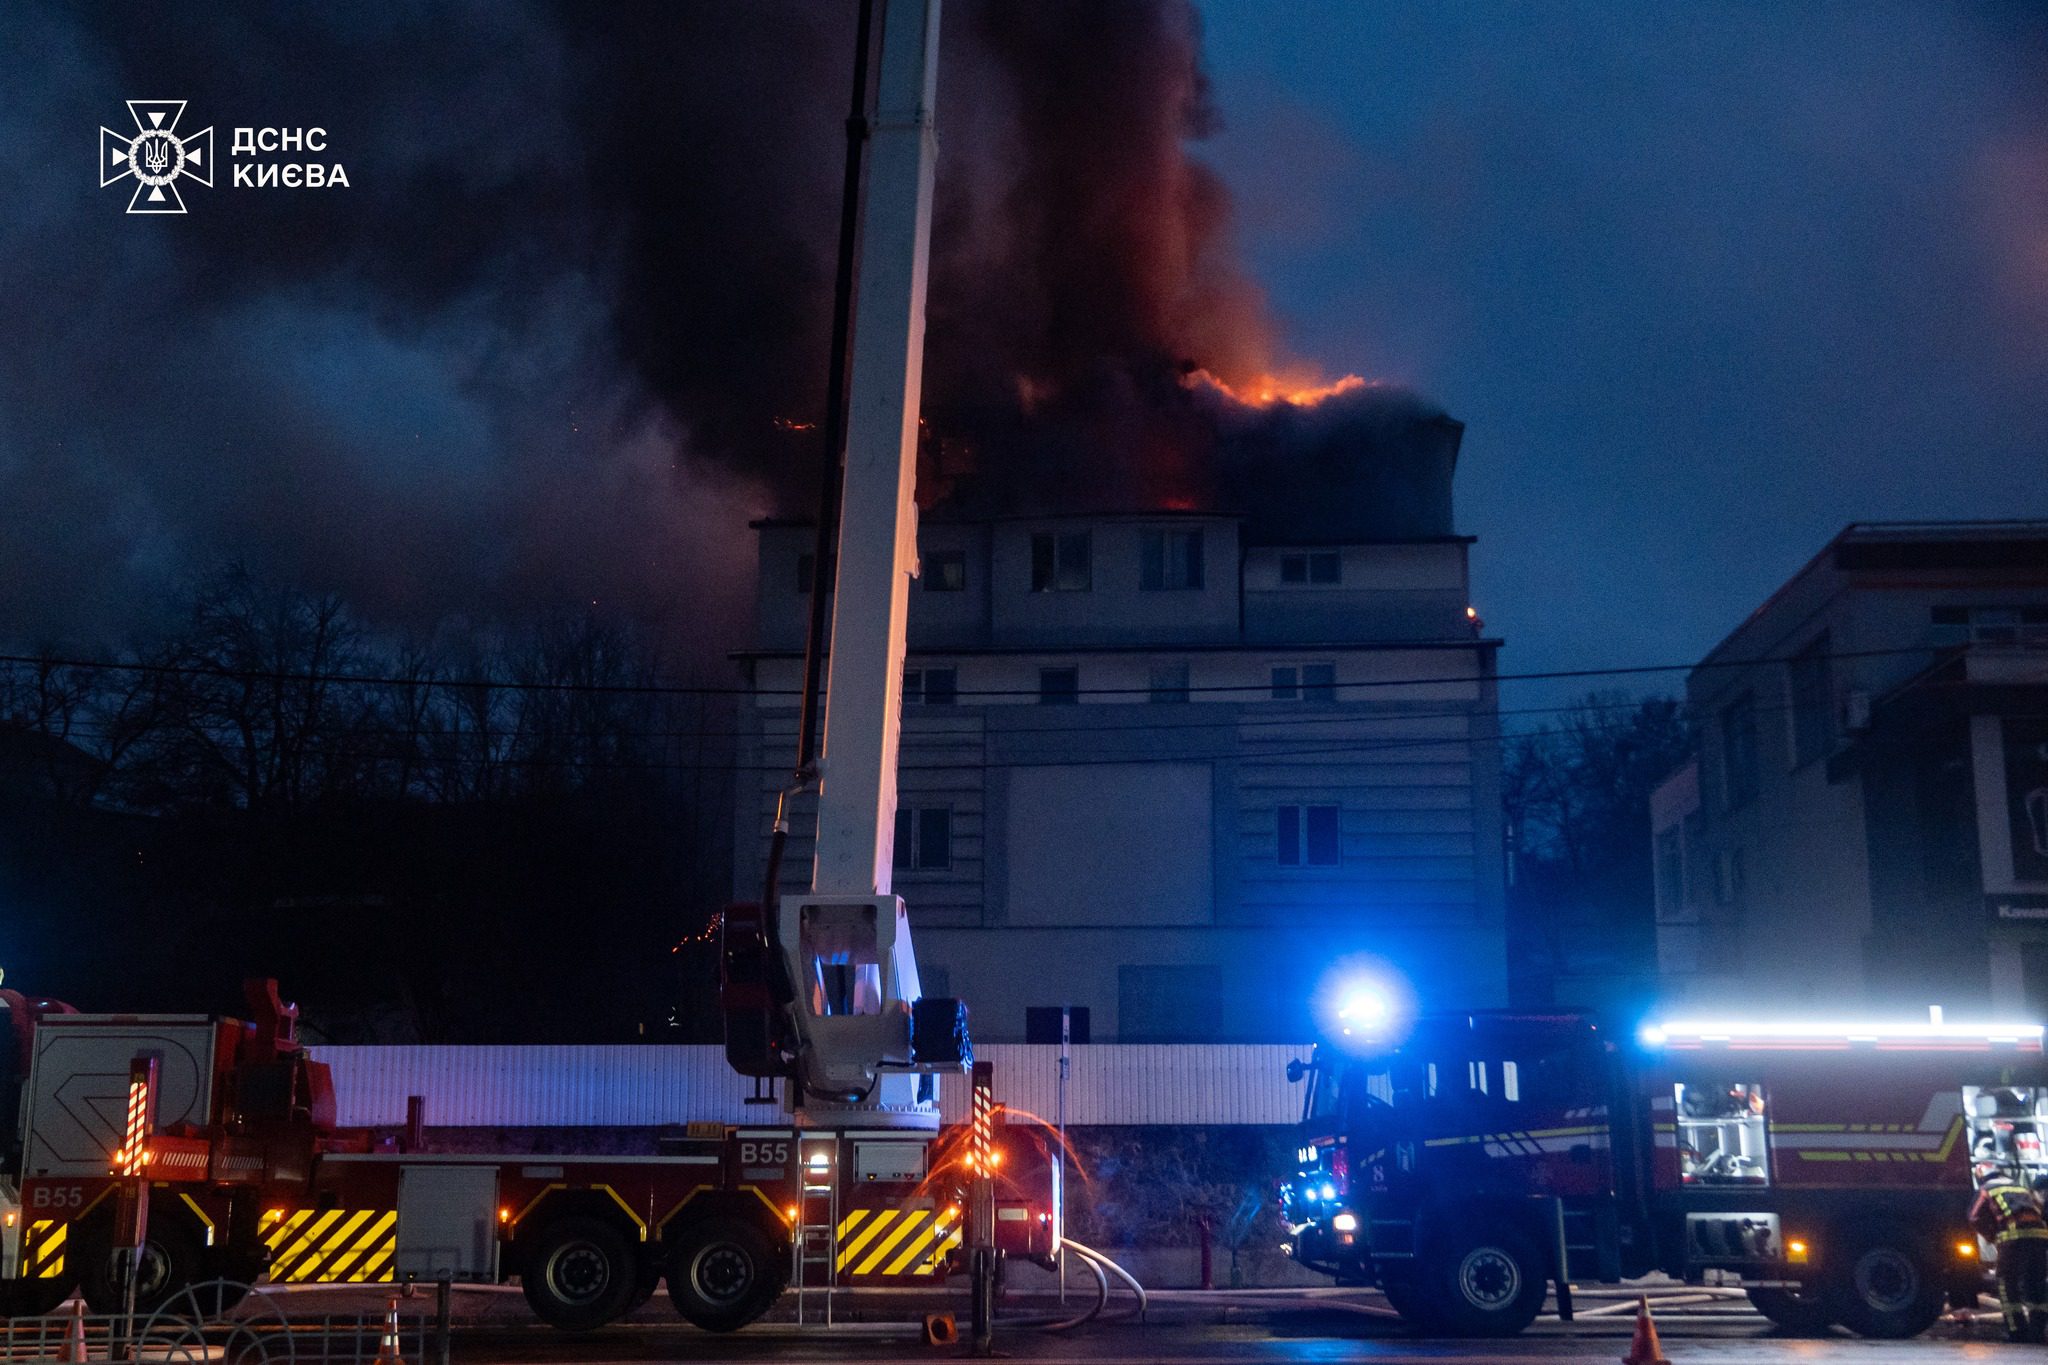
1704,282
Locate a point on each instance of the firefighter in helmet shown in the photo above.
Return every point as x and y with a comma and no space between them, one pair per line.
2011,1215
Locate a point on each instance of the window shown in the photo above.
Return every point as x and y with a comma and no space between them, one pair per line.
1994,627
1728,877
1317,568
1169,682
1042,1024
1308,836
1305,682
931,686
944,571
1170,560
1168,1004
1813,703
1721,1133
807,572
1738,752
1060,562
843,968
1059,686
924,838
1670,870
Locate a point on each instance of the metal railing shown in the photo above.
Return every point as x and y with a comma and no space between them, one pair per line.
221,1322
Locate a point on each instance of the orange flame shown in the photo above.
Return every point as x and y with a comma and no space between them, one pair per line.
1269,390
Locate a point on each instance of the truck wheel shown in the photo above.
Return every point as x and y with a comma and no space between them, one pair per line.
579,1273
170,1261
723,1273
1801,1311
1884,1289
1480,1284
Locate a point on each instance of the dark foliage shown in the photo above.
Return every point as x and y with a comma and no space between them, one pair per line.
424,840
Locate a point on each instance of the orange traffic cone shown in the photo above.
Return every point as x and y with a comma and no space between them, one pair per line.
1645,1349
74,1334
939,1330
389,1352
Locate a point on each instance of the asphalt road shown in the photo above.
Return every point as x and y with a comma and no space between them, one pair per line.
1197,1329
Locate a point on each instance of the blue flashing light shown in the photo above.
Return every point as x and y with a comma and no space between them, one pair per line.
1364,1002
1329,1191
1309,1194
1364,1007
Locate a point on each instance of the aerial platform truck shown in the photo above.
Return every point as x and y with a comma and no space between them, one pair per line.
1472,1160
850,1185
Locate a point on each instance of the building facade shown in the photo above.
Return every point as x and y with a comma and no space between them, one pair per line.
1866,822
1166,773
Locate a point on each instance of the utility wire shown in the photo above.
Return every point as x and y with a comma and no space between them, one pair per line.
1251,691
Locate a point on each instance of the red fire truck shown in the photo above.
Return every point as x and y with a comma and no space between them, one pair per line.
1825,1168
250,1177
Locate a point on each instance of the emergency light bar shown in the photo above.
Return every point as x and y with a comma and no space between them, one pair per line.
1683,1031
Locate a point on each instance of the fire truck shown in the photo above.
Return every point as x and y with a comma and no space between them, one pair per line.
249,1176
850,1183
1825,1168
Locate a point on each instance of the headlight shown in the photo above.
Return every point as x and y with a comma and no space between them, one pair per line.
1345,1222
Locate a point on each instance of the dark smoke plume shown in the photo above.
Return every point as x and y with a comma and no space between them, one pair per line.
566,328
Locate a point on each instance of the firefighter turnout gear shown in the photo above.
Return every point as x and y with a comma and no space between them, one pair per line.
2010,1214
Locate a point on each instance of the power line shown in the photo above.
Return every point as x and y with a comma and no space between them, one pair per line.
1251,691
1111,725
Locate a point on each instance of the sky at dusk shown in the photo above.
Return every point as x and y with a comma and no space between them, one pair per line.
1706,282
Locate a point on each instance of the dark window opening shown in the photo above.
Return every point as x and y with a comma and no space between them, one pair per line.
924,838
1319,568
1170,682
1309,836
1170,560
1813,703
1042,1024
1739,768
931,686
944,571
1060,562
1059,686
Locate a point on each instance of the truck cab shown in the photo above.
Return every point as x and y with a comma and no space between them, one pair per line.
1480,1157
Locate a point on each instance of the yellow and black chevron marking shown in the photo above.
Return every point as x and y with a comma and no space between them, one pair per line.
43,1258
337,1246
901,1241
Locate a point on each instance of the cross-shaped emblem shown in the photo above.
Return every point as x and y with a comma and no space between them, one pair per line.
156,156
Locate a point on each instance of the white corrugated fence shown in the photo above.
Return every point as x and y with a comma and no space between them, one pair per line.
647,1086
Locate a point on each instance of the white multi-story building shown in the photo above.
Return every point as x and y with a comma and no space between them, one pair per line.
1866,825
1168,774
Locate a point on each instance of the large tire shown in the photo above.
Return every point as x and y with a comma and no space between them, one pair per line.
579,1273
724,1272
1885,1286
172,1258
1479,1283
1803,1312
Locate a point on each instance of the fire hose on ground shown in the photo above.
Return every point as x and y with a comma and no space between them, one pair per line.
1102,1268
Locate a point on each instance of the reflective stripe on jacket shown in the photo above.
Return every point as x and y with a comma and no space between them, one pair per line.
2008,1211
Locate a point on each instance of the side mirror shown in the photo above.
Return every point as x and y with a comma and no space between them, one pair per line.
1296,1069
